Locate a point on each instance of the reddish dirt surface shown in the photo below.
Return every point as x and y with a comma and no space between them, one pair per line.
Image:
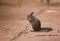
15,27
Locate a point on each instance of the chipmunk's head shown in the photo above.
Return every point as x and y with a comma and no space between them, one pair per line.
30,17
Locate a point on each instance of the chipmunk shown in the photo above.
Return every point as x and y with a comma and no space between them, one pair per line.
36,24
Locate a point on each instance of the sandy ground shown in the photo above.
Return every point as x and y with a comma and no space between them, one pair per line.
15,27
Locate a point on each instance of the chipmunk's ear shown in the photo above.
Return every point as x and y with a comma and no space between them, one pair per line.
32,13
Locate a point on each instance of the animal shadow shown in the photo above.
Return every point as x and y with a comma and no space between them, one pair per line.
46,29
43,29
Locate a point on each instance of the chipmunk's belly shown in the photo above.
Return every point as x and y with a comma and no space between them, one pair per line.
36,24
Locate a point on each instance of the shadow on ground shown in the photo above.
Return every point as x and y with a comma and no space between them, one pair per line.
44,29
